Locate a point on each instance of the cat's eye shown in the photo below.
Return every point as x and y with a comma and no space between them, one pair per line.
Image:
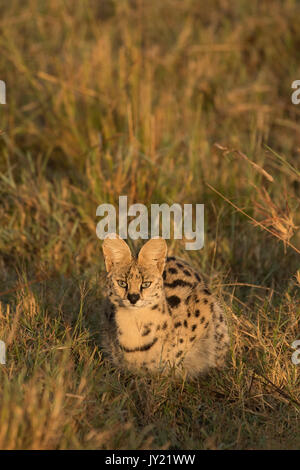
146,284
122,283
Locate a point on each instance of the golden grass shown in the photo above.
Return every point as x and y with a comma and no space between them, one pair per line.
171,101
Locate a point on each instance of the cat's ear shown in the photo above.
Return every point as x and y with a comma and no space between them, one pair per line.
115,251
154,252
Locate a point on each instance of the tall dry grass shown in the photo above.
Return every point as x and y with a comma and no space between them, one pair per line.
172,101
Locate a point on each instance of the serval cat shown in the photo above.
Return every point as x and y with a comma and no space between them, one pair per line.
159,313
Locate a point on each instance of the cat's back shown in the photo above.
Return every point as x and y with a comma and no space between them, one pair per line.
197,315
180,279
186,292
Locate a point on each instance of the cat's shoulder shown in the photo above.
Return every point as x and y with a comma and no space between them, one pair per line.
178,271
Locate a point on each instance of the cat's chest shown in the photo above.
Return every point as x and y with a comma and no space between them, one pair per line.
136,327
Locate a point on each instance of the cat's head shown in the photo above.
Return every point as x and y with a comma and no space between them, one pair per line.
134,282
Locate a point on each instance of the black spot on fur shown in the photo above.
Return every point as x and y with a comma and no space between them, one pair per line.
206,324
179,354
173,271
206,291
173,301
187,299
197,313
164,325
164,275
185,323
180,340
154,307
202,320
177,324
194,327
171,258
146,331
186,272
192,339
197,277
177,283
145,347
179,265
205,301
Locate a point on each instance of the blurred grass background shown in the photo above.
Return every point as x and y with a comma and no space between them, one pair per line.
162,102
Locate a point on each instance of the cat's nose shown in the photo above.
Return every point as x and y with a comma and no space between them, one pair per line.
133,298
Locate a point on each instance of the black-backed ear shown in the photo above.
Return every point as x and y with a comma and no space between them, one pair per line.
115,251
154,253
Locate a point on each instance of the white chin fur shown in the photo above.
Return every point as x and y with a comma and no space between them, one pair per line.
139,304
